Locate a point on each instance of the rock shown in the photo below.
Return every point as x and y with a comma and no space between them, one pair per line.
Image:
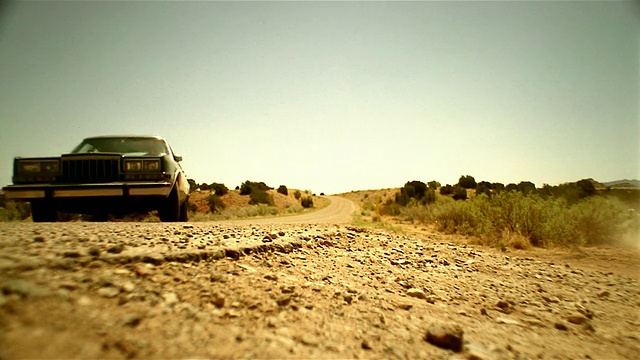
128,286
446,336
603,294
94,251
287,289
170,298
309,340
109,291
283,301
576,319
18,287
366,345
116,249
218,300
560,326
142,270
417,293
131,320
187,226
72,254
507,321
153,258
38,239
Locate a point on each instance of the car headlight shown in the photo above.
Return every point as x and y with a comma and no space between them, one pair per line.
39,166
151,165
132,165
142,165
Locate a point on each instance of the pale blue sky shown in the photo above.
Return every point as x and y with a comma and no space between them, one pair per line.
334,96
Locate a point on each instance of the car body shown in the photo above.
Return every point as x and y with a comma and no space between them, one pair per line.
104,175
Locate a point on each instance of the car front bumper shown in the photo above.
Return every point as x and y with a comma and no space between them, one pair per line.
50,191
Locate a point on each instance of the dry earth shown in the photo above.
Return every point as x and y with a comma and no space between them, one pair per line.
305,288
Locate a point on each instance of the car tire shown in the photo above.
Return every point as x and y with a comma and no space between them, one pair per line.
184,211
42,211
170,212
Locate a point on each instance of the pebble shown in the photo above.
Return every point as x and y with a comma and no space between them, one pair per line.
109,291
417,293
446,336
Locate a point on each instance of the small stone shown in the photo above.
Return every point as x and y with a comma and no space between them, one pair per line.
405,306
446,336
170,298
507,321
281,233
287,289
365,344
271,277
109,291
116,249
128,286
309,340
187,226
283,301
38,239
561,326
131,320
603,294
218,300
417,293
72,254
142,270
576,319
94,251
266,239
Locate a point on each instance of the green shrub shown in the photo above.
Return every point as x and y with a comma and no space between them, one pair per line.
283,190
467,182
259,196
215,203
459,192
297,194
306,202
219,189
602,220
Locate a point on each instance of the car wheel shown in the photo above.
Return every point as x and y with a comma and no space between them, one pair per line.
42,211
170,212
184,212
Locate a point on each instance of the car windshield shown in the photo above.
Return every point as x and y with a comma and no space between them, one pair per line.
127,146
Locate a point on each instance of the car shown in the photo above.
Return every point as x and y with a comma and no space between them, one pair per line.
104,175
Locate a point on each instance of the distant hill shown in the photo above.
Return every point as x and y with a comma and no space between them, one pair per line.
623,183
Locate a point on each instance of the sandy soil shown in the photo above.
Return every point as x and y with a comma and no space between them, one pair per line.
305,289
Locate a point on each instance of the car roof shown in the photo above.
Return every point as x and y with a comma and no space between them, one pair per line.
126,137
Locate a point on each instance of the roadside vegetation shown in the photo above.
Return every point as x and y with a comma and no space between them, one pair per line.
514,215
251,199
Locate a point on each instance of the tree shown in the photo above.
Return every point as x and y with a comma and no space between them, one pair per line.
526,187
433,184
283,190
220,189
193,186
467,182
459,193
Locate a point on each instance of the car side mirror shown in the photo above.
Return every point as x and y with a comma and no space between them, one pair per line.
178,158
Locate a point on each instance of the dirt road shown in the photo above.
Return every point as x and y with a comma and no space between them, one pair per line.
339,211
222,290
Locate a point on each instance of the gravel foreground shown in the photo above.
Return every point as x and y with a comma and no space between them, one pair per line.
210,290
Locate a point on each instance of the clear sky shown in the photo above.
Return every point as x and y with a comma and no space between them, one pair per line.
332,96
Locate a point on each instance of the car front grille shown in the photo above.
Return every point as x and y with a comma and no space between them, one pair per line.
90,170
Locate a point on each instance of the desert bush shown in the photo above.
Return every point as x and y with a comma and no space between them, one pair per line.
391,208
297,194
193,186
467,182
600,220
247,187
215,203
459,192
219,189
306,202
446,190
283,190
295,209
259,196
13,210
434,185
